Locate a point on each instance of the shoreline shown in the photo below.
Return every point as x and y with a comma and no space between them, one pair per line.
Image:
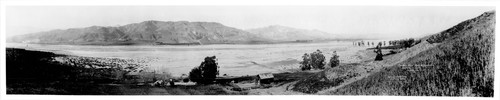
232,60
283,77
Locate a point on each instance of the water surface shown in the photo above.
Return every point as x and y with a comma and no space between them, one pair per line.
233,59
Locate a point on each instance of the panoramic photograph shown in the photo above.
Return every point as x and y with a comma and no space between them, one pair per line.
250,50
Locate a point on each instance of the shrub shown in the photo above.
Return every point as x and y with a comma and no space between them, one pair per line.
406,43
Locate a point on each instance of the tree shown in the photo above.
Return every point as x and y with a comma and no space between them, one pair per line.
196,75
314,60
317,59
306,62
206,72
334,60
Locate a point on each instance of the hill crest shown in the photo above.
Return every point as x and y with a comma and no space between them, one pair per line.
146,32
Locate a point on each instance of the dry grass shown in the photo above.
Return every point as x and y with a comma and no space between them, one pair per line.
462,65
330,77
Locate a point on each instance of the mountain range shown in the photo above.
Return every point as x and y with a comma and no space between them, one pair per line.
170,32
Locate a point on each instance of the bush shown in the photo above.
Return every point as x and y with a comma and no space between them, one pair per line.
406,43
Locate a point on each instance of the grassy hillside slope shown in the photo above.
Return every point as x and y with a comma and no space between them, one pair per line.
460,65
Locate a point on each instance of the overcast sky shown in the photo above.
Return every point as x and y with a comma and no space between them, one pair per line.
389,22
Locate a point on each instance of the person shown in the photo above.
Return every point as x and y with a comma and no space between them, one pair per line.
379,55
171,81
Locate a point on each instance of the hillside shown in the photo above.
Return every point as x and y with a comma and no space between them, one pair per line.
147,32
458,62
283,33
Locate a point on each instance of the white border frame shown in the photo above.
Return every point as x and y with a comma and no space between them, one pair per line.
5,3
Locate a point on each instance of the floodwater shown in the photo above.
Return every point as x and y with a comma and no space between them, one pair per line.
233,59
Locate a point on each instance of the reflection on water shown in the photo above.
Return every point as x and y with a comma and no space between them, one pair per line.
234,59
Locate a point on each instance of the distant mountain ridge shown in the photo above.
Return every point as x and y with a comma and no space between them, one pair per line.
147,32
284,33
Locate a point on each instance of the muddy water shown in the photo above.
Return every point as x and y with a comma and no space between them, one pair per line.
234,59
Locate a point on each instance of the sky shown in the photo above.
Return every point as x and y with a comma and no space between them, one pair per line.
382,22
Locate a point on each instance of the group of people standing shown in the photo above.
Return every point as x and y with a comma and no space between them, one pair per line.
377,50
368,43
